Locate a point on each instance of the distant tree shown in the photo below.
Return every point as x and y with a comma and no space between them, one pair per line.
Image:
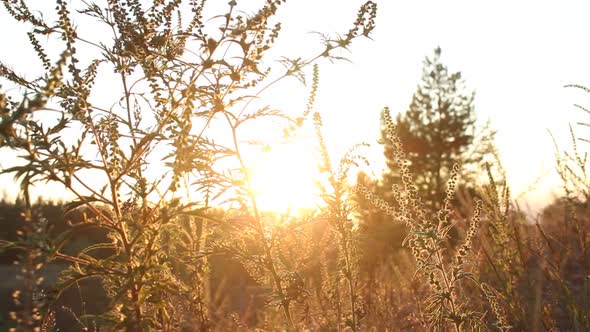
438,130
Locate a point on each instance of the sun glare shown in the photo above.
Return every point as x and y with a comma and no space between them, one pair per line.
283,178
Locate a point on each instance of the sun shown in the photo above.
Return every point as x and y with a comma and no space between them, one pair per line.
283,178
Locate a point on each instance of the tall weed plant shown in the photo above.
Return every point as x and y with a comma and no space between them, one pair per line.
178,75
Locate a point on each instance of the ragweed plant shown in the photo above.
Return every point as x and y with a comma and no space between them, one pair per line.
266,254
31,300
428,242
143,162
338,212
503,246
561,245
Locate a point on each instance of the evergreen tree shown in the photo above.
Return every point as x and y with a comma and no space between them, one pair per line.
438,130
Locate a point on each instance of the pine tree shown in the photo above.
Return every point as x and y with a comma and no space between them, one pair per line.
438,130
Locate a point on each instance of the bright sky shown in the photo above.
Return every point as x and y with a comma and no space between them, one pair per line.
516,55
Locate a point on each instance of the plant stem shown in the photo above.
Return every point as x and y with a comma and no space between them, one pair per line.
269,260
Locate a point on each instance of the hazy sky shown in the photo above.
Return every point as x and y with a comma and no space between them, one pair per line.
516,55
